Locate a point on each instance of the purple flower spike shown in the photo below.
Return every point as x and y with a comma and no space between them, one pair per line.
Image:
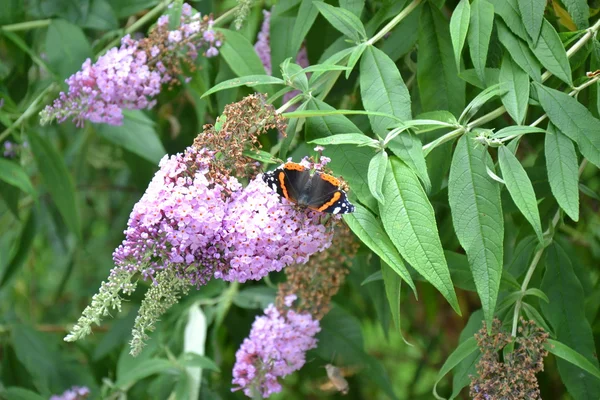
276,347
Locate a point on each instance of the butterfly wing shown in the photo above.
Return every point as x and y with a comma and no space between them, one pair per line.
288,180
326,196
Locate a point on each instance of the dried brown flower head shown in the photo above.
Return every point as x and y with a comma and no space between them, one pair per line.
512,378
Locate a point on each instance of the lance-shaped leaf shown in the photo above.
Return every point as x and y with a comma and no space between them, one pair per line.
551,53
561,162
520,188
408,218
14,174
566,353
383,90
370,231
409,148
478,220
439,84
480,32
572,119
239,54
343,20
566,314
57,180
516,130
508,10
516,83
464,350
459,26
532,14
250,81
519,51
377,168
346,138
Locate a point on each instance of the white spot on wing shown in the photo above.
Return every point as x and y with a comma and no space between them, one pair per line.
336,210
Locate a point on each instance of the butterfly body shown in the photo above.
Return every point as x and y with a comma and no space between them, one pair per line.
317,191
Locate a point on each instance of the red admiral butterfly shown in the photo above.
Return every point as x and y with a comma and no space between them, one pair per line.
319,191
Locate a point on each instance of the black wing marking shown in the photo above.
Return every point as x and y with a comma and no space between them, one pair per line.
328,198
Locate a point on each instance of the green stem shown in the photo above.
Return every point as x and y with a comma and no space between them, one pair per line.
31,110
442,139
25,26
536,258
225,17
395,21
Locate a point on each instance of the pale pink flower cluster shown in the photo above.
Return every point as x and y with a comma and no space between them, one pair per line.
130,77
276,347
201,229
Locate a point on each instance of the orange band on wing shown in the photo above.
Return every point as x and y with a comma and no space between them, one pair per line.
294,166
281,178
336,197
331,179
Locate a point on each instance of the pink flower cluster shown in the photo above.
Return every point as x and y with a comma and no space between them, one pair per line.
74,393
203,229
131,76
120,79
260,234
276,347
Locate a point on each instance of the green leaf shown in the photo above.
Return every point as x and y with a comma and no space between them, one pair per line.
579,11
566,353
520,188
409,149
550,52
370,231
377,168
393,290
354,6
478,102
57,180
383,90
566,314
464,350
537,293
341,337
23,249
291,132
478,219
480,32
516,130
66,47
532,13
508,10
516,82
354,57
257,297
459,26
101,16
137,134
439,86
17,393
197,360
143,370
239,54
572,119
344,21
409,219
14,174
375,276
345,138
466,368
519,52
561,163
304,21
250,81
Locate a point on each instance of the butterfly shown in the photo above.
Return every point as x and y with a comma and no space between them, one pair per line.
317,191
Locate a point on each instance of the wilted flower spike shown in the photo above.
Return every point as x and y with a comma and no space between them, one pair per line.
276,347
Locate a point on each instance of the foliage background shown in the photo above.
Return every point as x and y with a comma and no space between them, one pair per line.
63,212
